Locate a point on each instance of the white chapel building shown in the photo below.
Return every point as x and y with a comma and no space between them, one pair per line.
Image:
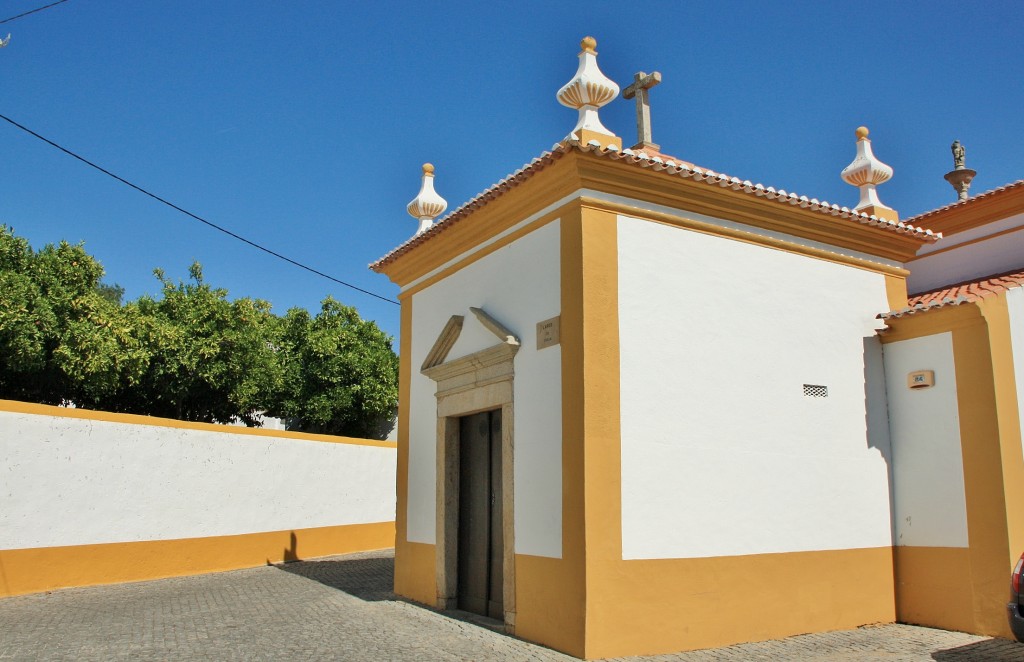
646,407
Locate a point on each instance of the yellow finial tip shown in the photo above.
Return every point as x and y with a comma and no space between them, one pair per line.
428,168
862,132
589,44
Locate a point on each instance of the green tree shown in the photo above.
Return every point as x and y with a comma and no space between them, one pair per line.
60,339
340,372
190,354
28,326
210,359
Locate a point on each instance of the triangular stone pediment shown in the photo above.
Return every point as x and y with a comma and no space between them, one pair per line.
438,353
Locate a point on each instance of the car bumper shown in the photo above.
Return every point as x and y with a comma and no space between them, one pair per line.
1016,617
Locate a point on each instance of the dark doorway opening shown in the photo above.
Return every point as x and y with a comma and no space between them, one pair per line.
480,535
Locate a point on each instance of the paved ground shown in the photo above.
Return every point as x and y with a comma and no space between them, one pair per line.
342,608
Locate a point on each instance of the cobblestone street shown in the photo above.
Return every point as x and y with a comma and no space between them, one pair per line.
342,608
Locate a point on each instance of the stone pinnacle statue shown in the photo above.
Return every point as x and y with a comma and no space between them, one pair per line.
960,176
958,155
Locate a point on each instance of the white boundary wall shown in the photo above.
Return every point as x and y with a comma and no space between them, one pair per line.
519,285
722,454
76,481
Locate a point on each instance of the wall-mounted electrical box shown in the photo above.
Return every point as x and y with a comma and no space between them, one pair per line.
921,379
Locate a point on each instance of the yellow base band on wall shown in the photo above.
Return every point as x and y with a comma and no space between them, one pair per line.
415,568
47,568
933,587
647,607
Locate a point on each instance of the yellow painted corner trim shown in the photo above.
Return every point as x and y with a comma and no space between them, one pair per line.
1007,403
404,395
16,407
570,572
46,568
983,477
896,291
601,382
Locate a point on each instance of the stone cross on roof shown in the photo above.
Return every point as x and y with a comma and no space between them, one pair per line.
642,82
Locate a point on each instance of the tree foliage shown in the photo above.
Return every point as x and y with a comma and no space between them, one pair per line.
61,340
341,375
210,359
191,353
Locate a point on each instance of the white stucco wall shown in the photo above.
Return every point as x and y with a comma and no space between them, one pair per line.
722,454
72,481
519,285
972,255
928,474
1015,303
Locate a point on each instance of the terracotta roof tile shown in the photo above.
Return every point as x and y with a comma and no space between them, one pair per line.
959,293
966,203
655,162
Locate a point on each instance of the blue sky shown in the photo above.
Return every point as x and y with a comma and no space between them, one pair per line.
302,125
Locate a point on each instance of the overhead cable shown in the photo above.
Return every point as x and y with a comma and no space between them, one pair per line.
32,11
196,217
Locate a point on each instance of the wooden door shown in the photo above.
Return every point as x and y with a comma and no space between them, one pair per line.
480,539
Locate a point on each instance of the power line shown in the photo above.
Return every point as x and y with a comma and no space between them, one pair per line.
32,11
194,216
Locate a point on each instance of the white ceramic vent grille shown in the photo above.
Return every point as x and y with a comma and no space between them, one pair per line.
815,391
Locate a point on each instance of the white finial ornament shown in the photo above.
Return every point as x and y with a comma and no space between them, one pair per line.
588,90
427,205
866,172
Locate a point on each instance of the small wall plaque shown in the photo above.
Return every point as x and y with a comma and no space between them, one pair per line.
548,332
921,379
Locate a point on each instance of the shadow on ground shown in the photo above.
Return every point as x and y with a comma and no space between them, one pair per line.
369,579
990,650
372,580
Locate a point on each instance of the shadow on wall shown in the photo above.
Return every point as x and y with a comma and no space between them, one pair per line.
876,408
387,427
990,650
384,429
876,400
291,553
369,577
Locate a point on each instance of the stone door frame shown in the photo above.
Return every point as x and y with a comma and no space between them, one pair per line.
481,381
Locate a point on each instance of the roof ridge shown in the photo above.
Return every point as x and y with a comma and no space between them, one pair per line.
968,291
923,307
968,201
673,167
